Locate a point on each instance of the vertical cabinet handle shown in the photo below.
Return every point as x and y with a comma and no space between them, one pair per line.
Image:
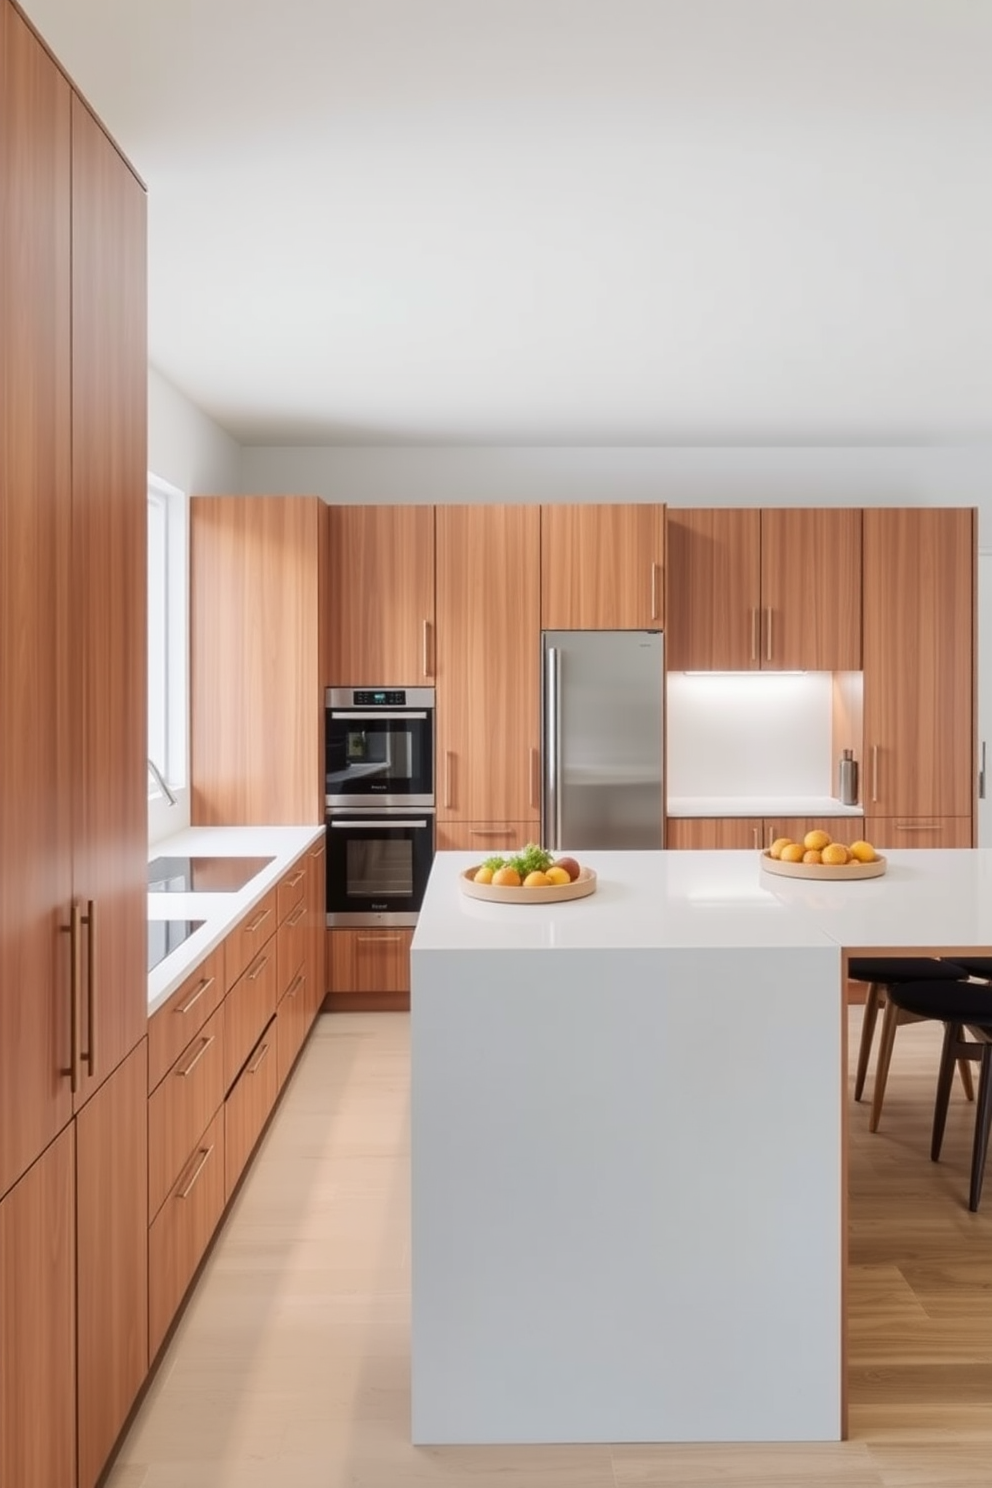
654,590
447,777
754,634
73,932
874,772
768,636
428,669
535,760
756,840
89,920
981,775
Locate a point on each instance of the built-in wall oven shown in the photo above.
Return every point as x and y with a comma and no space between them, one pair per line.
379,748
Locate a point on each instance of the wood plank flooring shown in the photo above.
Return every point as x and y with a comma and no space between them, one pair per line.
290,1368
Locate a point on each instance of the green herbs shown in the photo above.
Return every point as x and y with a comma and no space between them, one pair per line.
533,859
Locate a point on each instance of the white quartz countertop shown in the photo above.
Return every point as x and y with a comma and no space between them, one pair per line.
759,806
938,899
219,912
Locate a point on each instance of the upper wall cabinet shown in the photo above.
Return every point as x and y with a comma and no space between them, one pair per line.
773,590
380,609
603,567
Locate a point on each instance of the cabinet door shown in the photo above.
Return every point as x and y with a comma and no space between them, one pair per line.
713,832
489,653
35,844
811,590
713,590
37,1324
919,604
369,960
485,838
108,722
112,1258
886,832
317,920
602,567
381,596
846,829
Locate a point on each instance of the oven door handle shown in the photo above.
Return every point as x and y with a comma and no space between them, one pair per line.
351,715
382,823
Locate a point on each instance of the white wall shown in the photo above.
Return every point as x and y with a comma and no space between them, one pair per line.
872,475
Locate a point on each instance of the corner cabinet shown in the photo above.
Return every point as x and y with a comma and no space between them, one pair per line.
380,596
772,590
918,767
488,663
603,567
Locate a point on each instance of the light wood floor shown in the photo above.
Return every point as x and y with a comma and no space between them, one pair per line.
290,1368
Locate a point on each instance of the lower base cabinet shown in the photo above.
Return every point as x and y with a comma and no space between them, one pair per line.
755,831
920,831
369,969
248,1104
183,1228
486,837
38,1332
292,1023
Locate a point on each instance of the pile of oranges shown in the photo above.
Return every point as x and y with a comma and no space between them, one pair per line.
818,847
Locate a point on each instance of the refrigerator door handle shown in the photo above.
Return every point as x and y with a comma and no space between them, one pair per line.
553,744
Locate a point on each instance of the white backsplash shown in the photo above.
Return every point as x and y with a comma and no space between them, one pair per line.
750,733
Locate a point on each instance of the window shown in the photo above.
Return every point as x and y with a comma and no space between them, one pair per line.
168,587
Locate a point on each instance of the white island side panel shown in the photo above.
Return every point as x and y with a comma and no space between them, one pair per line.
627,1180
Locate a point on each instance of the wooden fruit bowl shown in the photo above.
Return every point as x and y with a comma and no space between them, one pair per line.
579,888
843,871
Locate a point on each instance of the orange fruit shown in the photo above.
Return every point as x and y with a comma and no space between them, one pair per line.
483,875
507,878
834,852
557,875
812,855
536,880
862,852
817,839
775,851
792,853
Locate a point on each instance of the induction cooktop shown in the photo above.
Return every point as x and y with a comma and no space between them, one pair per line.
165,936
202,875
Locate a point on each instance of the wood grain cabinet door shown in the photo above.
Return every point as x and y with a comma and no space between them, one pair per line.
35,495
810,589
489,652
697,832
919,617
108,720
603,567
381,596
713,590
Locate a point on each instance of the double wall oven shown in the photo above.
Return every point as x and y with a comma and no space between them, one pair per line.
379,800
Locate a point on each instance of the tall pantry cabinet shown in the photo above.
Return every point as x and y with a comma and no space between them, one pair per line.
73,978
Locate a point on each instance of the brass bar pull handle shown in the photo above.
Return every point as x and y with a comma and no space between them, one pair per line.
296,878
428,671
768,636
490,831
297,915
981,776
254,1068
253,976
754,635
756,841
204,1046
377,939
297,984
73,932
654,590
204,985
256,924
535,774
874,772
204,1159
89,920
318,851
902,826
447,777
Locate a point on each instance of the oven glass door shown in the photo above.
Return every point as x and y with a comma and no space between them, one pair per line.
383,758
378,866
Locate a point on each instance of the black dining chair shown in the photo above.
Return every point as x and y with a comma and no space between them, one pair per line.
880,972
961,1007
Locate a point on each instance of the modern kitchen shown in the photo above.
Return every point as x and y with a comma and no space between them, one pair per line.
323,1161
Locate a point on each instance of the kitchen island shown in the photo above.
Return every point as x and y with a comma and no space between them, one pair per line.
628,1144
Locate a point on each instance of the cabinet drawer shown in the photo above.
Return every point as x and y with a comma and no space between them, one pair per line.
919,831
250,1004
248,1105
290,889
486,837
182,1106
174,1024
291,945
293,1020
247,938
369,960
182,1230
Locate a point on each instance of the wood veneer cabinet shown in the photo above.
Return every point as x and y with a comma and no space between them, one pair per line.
317,922
380,596
488,663
182,1230
755,831
603,567
257,690
369,968
885,832
485,837
777,589
919,665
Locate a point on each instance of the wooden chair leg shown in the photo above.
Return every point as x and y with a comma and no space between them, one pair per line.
890,1022
872,1002
983,1119
967,1083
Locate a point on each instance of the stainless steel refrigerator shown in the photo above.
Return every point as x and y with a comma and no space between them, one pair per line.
602,718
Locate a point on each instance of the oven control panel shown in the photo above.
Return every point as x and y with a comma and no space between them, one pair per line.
394,699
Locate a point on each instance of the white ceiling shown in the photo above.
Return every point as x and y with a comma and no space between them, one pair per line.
589,222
